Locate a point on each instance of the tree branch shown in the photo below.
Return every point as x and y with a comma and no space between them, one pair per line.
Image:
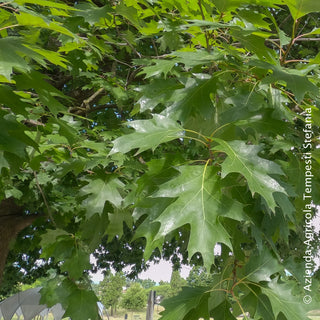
86,103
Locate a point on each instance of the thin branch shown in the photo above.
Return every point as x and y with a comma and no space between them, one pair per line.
82,111
119,61
133,48
8,27
290,61
296,39
86,103
32,123
4,4
44,199
292,41
155,48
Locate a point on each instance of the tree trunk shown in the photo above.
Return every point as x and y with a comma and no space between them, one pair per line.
150,307
12,221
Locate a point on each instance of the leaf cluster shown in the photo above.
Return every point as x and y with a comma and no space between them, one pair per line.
137,130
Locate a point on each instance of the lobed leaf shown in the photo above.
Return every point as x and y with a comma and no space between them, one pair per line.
244,159
149,134
200,204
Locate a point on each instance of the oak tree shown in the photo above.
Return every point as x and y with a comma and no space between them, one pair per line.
136,129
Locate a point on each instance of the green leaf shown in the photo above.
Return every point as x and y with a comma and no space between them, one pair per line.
101,190
77,263
299,8
244,159
30,18
3,162
148,229
12,136
298,83
156,92
51,56
171,40
199,204
93,229
195,58
11,57
91,13
13,101
51,236
58,243
82,305
47,93
130,13
254,44
188,299
226,5
283,301
116,220
46,3
149,134
194,99
222,312
262,266
159,66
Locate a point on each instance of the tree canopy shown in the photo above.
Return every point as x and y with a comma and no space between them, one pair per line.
136,130
110,290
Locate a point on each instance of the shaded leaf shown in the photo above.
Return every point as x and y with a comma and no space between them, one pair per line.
77,263
11,56
101,190
244,159
82,305
296,82
12,136
262,266
283,301
193,99
116,220
188,299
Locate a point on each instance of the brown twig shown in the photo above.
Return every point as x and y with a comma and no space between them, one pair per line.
86,103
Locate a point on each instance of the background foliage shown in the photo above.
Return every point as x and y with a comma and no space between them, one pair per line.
141,129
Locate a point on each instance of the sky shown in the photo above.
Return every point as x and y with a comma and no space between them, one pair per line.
156,272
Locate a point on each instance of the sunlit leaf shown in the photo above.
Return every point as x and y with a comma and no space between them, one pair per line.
149,134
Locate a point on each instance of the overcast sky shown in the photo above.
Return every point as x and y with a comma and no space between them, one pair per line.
156,272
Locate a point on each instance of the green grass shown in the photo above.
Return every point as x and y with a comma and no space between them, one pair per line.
136,315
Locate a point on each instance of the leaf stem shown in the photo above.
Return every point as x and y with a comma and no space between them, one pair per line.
8,27
198,133
192,138
215,131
